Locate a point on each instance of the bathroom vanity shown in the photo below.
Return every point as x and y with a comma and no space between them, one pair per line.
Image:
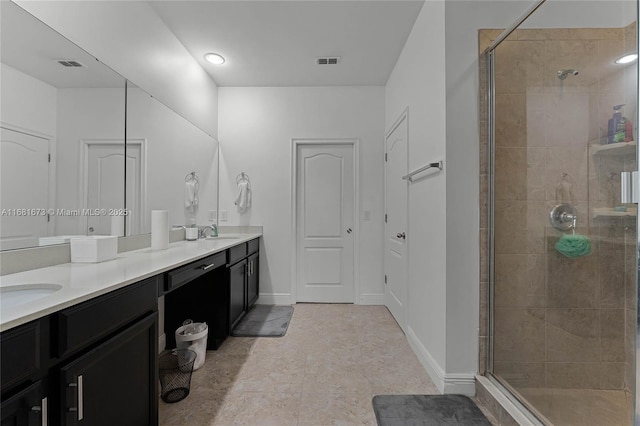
87,354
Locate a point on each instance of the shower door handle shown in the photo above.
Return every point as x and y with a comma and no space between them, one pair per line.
629,187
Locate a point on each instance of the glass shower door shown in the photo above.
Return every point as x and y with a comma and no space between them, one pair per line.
564,242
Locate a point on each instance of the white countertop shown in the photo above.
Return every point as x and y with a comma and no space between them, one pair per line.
83,281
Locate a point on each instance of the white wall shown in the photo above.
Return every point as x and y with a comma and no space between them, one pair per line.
419,84
27,102
256,128
436,77
129,37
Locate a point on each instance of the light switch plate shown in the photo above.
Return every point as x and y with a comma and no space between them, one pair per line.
223,215
367,215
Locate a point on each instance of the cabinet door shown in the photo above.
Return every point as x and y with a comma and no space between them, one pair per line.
237,277
252,280
26,408
116,382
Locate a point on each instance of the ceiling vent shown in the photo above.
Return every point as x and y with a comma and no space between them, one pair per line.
70,63
328,61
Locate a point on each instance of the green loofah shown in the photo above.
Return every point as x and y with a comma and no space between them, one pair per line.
575,245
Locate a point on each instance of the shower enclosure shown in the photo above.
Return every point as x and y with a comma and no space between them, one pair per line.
560,110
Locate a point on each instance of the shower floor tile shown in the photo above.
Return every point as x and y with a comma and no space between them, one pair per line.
564,407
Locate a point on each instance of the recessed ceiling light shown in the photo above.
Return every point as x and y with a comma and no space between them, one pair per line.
214,58
627,58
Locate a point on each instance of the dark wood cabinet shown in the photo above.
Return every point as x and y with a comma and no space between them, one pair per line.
237,296
253,279
94,363
243,280
28,407
114,383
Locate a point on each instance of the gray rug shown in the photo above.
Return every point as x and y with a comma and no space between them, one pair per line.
264,321
431,410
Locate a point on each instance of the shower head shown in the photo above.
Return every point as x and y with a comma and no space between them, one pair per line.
562,74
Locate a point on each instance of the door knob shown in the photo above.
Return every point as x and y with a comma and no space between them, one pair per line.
349,231
91,229
401,236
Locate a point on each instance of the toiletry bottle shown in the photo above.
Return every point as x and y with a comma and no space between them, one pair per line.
619,126
613,123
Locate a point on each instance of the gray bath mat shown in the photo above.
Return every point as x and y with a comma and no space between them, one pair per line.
264,321
431,410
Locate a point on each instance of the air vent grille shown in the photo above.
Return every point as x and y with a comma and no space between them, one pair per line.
70,63
333,60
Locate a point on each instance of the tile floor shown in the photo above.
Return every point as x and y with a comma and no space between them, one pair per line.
332,361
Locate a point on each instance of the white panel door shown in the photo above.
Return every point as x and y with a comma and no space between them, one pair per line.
395,257
25,185
325,218
105,184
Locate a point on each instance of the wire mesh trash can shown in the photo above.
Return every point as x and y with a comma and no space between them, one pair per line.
193,336
175,374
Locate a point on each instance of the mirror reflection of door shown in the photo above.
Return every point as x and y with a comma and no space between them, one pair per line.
24,185
105,180
104,177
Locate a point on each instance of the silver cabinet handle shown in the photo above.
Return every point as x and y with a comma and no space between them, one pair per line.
251,268
80,408
205,267
42,409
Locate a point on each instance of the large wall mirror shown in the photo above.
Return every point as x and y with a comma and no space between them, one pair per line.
65,168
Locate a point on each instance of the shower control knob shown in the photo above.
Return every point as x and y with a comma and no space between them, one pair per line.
401,236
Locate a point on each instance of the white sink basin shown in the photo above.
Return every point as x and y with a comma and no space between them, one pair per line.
223,238
20,294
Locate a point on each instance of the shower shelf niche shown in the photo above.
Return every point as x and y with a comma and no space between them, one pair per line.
614,149
609,213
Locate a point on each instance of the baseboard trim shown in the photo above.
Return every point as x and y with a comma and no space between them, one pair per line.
275,299
372,299
447,383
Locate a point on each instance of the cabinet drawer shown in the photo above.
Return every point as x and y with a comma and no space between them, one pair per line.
92,320
22,351
253,245
193,270
237,252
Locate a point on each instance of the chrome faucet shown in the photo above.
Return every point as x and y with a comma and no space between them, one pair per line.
202,232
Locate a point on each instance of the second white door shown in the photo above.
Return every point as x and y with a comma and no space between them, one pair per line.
325,199
395,241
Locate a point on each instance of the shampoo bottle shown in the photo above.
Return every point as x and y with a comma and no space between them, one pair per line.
619,126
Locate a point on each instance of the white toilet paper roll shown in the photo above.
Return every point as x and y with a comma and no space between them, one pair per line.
159,229
117,226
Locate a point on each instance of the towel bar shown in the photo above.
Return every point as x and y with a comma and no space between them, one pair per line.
410,176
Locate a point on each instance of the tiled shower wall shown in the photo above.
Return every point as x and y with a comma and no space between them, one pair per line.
559,322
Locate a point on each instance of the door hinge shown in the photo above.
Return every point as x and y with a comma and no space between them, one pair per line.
49,158
385,156
385,279
385,218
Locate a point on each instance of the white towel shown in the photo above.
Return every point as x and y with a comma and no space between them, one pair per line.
191,194
243,199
